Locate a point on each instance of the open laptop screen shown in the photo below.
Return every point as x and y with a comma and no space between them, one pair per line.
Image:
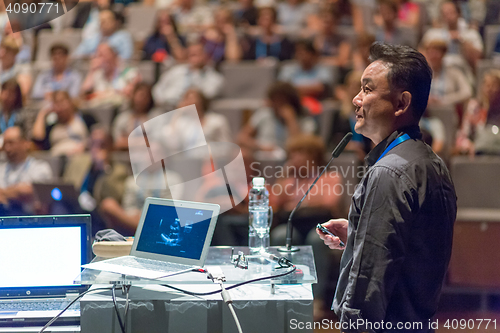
174,231
36,257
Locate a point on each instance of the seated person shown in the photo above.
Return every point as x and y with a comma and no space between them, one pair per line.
165,40
308,76
333,48
246,13
196,73
9,69
108,81
268,42
59,77
221,40
293,14
480,114
191,17
111,33
24,54
95,176
449,85
18,173
270,127
151,182
59,128
11,108
390,32
141,110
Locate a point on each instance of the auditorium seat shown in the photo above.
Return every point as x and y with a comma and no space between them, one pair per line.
56,162
491,33
140,20
247,79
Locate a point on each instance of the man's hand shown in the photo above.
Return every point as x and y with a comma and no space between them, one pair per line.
337,227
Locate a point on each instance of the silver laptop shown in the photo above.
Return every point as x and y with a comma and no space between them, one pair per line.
172,237
40,258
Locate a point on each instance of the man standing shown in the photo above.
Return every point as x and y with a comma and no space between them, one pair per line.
399,233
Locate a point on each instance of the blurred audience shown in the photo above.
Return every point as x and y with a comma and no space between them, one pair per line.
246,13
59,77
308,75
141,110
110,32
390,32
59,128
197,73
18,173
449,85
293,14
191,18
460,38
333,48
221,41
24,54
362,51
165,41
284,117
481,114
12,111
268,42
9,69
108,80
96,176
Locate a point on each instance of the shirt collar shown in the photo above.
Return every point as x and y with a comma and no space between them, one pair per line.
375,153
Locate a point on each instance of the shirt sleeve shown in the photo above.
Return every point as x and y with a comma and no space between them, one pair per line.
42,172
38,91
379,246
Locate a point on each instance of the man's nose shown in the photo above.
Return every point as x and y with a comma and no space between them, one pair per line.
357,100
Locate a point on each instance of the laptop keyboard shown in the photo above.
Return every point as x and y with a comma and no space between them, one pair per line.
36,305
148,264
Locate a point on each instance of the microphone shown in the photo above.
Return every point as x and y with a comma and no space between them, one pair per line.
289,227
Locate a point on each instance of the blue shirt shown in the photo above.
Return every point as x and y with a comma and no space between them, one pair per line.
121,41
46,82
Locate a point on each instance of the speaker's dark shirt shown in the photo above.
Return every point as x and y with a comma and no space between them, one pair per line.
399,239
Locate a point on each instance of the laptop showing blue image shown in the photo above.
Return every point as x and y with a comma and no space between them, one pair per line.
41,256
172,237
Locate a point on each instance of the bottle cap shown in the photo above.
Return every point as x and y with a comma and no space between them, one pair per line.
258,181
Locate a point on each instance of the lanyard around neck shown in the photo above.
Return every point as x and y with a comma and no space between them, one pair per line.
394,143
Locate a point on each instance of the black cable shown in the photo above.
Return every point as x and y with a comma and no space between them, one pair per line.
69,305
113,295
230,287
126,305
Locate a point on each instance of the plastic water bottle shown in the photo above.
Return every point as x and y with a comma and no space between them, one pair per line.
259,221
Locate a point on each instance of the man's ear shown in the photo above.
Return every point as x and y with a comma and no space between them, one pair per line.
403,103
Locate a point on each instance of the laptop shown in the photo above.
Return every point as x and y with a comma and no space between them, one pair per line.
57,192
172,237
40,258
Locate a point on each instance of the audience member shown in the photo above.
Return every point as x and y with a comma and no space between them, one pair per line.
18,173
479,113
95,176
141,110
268,43
165,40
9,69
59,128
333,48
12,111
24,54
110,33
409,14
221,40
174,83
215,126
390,32
246,13
59,77
308,75
449,85
461,40
87,17
270,127
108,80
191,18
362,51
293,14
